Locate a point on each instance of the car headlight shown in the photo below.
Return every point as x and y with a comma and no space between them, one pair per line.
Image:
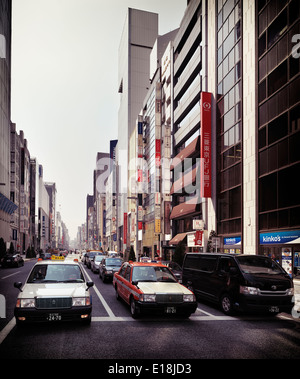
249,290
109,271
25,303
148,298
189,298
80,301
290,291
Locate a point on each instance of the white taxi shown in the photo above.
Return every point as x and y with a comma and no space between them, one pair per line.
55,290
152,288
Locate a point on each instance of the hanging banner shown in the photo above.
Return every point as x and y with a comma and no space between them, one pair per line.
125,229
205,149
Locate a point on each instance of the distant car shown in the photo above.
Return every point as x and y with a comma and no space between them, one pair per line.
89,255
108,267
55,290
175,268
10,260
45,256
95,262
151,287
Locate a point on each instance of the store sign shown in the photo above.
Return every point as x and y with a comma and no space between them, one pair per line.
205,149
194,240
125,229
198,238
232,241
280,238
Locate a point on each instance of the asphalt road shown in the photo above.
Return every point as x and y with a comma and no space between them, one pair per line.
113,334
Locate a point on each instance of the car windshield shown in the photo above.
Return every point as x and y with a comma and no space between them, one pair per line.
152,274
56,273
98,258
259,265
114,262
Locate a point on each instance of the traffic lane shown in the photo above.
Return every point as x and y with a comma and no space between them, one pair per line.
7,278
166,339
121,309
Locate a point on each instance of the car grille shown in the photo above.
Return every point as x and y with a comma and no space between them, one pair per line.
53,302
169,298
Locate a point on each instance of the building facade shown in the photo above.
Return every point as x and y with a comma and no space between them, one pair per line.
139,34
7,207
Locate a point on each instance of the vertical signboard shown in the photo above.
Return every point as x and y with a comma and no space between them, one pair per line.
205,149
125,229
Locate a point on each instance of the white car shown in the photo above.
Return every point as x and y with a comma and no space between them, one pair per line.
55,290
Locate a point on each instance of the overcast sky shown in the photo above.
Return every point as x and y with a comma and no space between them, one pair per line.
64,86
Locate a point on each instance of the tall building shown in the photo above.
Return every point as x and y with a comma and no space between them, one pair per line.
189,80
243,57
7,207
15,186
139,34
51,189
277,130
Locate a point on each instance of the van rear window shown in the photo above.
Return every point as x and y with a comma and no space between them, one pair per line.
196,262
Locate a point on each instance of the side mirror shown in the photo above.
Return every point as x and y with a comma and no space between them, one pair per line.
18,285
89,285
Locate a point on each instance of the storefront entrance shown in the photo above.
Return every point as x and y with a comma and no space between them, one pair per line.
280,246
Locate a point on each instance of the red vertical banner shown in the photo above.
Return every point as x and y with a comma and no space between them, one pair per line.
205,149
125,227
157,152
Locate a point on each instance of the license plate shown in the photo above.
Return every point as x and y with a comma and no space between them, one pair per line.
274,309
170,310
54,317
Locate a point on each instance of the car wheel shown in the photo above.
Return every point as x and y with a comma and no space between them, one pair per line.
117,294
133,308
227,304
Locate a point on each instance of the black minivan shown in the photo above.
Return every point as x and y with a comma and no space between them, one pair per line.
239,282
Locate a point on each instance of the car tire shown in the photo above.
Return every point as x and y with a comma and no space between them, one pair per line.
133,308
117,294
227,304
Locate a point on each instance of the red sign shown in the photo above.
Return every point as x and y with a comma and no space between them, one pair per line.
205,149
157,152
198,238
125,229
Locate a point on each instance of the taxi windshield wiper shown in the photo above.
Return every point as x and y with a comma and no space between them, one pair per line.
72,281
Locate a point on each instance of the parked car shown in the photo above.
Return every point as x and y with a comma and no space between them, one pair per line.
95,262
14,260
239,282
55,290
152,288
108,267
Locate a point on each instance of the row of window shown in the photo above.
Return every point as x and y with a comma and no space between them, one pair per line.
279,189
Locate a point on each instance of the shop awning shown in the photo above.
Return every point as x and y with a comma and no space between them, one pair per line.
178,238
6,205
187,152
186,209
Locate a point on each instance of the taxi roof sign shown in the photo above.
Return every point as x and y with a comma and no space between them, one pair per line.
57,258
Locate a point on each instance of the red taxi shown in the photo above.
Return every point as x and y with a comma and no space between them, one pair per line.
152,288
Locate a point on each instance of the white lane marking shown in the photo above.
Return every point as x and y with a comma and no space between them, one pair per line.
192,318
4,277
8,328
101,298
